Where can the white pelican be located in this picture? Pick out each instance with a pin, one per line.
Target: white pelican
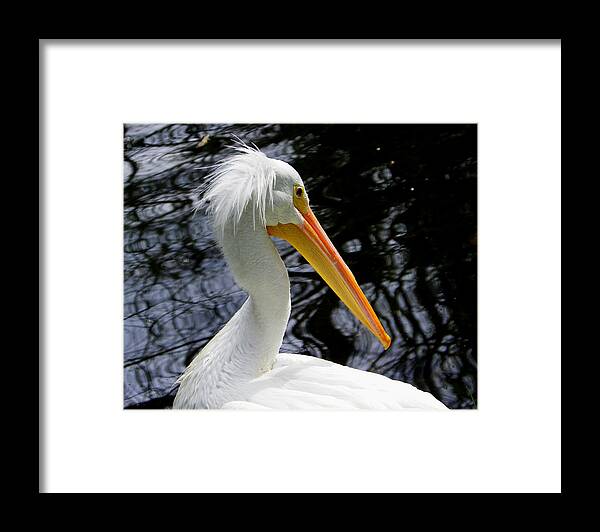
(251, 198)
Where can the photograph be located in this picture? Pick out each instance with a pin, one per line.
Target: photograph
(285, 266)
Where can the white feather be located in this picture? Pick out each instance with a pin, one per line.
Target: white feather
(309, 383)
(246, 178)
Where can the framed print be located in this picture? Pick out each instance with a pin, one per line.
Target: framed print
(325, 266)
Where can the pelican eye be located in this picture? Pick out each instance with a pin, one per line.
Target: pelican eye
(300, 199)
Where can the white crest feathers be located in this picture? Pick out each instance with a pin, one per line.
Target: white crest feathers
(246, 177)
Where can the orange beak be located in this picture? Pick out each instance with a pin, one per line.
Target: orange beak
(314, 245)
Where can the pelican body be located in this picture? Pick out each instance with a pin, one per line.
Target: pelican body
(252, 198)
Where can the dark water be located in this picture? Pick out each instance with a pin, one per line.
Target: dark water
(398, 201)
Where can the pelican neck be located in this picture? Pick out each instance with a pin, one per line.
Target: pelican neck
(259, 270)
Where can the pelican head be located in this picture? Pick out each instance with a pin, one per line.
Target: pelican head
(275, 194)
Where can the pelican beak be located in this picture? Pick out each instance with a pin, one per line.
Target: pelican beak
(314, 245)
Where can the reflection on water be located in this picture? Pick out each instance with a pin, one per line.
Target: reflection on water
(399, 202)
